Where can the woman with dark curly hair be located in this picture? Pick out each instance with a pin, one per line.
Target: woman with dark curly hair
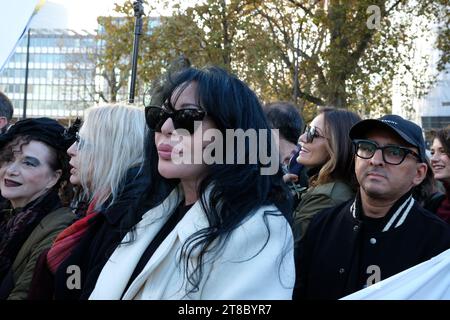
(223, 232)
(440, 163)
(33, 165)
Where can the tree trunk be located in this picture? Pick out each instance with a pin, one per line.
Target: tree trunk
(337, 95)
(226, 37)
(113, 87)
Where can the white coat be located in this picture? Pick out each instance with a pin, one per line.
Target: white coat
(251, 265)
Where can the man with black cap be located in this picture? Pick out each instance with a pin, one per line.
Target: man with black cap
(381, 232)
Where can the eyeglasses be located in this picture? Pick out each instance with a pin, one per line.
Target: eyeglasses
(81, 142)
(182, 119)
(311, 133)
(395, 155)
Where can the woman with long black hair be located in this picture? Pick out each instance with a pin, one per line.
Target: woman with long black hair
(224, 231)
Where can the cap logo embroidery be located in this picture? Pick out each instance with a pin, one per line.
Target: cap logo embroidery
(390, 121)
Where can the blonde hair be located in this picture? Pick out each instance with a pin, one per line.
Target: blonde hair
(114, 142)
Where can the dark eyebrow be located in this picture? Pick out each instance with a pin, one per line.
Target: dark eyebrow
(394, 145)
(190, 106)
(390, 144)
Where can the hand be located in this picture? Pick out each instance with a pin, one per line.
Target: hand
(290, 177)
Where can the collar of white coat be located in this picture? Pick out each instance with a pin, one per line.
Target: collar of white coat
(194, 220)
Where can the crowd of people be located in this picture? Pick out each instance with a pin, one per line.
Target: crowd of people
(105, 209)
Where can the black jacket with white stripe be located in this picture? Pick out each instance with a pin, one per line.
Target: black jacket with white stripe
(343, 250)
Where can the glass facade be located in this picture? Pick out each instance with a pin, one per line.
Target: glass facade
(61, 74)
(431, 123)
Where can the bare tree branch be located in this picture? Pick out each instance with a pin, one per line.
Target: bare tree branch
(301, 6)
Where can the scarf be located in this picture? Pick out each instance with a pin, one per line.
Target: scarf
(16, 225)
(444, 209)
(67, 240)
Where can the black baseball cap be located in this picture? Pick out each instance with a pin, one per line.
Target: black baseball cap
(407, 130)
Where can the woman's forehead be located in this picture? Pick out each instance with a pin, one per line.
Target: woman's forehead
(186, 92)
(318, 121)
(387, 137)
(31, 148)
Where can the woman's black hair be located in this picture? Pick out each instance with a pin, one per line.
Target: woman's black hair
(285, 117)
(424, 191)
(235, 191)
(153, 187)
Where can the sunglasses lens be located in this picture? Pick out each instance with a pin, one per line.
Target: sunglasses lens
(155, 117)
(182, 119)
(310, 133)
(185, 119)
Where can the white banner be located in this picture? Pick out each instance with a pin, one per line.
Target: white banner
(15, 16)
(429, 280)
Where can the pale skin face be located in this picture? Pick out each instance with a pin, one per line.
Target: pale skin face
(74, 152)
(314, 154)
(440, 162)
(382, 184)
(27, 175)
(74, 163)
(190, 175)
(3, 122)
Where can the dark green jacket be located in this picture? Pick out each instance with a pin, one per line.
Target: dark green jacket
(39, 240)
(315, 200)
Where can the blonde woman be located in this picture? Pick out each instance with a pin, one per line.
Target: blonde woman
(107, 162)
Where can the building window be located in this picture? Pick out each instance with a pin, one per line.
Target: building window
(431, 123)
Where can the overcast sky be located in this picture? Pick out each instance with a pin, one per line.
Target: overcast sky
(82, 14)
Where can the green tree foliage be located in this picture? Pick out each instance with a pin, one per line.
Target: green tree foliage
(311, 52)
(116, 36)
(443, 41)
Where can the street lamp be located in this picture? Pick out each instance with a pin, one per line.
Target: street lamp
(138, 13)
(27, 70)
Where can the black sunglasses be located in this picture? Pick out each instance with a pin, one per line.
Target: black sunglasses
(182, 119)
(395, 155)
(311, 133)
